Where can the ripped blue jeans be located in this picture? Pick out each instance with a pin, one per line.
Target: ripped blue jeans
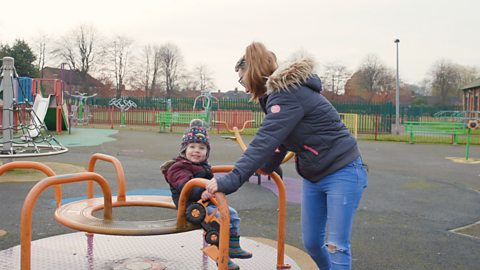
(331, 203)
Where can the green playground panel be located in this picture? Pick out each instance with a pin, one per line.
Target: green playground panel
(435, 128)
(50, 119)
(167, 119)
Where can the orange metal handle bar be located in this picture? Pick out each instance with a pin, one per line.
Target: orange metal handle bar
(222, 205)
(121, 193)
(282, 212)
(236, 132)
(287, 157)
(245, 124)
(36, 166)
(223, 123)
(34, 193)
(243, 146)
(241, 143)
(231, 130)
(239, 139)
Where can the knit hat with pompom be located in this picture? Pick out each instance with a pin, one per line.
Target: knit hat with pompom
(196, 133)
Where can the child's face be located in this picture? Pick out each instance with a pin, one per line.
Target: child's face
(196, 152)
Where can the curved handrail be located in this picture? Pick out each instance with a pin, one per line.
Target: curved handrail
(219, 200)
(121, 193)
(238, 138)
(288, 156)
(36, 166)
(34, 193)
(231, 130)
(282, 211)
(222, 204)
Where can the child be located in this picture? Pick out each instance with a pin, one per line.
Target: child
(192, 163)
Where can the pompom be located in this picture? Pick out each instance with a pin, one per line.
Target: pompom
(197, 123)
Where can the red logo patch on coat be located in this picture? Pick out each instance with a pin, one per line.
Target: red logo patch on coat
(275, 109)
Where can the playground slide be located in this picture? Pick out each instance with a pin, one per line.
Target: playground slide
(51, 116)
(40, 107)
(44, 111)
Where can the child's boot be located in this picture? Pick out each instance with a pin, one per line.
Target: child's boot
(235, 251)
(232, 265)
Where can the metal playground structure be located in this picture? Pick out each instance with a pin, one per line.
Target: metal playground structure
(24, 132)
(79, 109)
(80, 215)
(124, 105)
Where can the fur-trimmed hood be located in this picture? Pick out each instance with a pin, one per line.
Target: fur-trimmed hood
(298, 70)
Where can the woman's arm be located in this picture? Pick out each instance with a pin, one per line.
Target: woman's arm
(284, 112)
(275, 160)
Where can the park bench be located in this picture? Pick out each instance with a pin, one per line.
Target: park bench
(168, 119)
(435, 128)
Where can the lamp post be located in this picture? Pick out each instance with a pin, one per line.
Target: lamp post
(397, 96)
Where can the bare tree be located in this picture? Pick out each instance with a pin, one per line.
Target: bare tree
(425, 87)
(147, 72)
(374, 78)
(170, 62)
(41, 48)
(155, 87)
(119, 51)
(147, 58)
(446, 80)
(187, 82)
(79, 49)
(202, 76)
(468, 74)
(334, 78)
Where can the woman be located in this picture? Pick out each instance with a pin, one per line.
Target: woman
(301, 120)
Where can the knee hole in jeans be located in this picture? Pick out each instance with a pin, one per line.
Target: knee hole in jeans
(332, 248)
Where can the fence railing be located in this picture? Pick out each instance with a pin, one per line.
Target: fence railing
(177, 121)
(371, 126)
(452, 129)
(361, 108)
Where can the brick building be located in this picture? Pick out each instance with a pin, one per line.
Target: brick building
(471, 94)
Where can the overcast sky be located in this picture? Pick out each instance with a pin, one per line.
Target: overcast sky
(216, 32)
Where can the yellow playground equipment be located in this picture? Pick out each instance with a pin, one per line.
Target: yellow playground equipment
(79, 215)
(351, 122)
(238, 139)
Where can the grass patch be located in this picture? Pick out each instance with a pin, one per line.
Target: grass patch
(447, 139)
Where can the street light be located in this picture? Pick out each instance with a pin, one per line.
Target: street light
(397, 96)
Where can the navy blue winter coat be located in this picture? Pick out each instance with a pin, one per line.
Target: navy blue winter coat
(298, 119)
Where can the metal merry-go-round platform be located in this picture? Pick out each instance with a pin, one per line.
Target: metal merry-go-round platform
(170, 251)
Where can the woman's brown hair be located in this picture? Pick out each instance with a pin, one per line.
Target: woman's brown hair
(260, 64)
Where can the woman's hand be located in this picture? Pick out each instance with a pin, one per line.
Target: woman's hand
(206, 195)
(212, 186)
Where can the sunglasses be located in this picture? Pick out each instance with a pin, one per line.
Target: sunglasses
(240, 81)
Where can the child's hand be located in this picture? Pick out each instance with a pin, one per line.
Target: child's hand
(206, 195)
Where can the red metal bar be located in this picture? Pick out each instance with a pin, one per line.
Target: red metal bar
(59, 119)
(111, 111)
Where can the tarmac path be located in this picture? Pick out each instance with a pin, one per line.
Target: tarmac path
(415, 197)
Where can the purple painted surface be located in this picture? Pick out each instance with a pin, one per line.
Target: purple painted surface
(293, 187)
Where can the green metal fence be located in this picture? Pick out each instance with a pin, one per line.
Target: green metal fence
(407, 112)
(373, 118)
(452, 129)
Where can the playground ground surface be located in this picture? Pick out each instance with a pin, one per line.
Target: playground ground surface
(420, 211)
